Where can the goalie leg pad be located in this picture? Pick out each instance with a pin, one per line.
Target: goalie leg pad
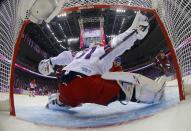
(147, 93)
(127, 88)
(146, 89)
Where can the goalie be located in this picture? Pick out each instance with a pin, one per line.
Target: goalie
(86, 78)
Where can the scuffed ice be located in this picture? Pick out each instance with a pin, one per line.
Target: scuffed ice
(91, 115)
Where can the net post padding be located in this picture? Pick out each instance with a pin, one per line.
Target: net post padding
(154, 12)
(16, 48)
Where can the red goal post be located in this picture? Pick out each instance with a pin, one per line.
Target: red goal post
(173, 17)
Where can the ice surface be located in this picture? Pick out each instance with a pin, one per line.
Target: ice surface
(176, 118)
(91, 115)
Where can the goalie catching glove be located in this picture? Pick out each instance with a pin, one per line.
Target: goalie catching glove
(140, 24)
(45, 67)
(139, 28)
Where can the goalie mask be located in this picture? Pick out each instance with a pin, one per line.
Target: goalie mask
(45, 67)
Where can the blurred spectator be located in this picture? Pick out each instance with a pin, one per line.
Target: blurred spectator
(32, 88)
(163, 62)
(43, 84)
(116, 65)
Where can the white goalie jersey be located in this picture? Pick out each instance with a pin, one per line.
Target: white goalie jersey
(90, 61)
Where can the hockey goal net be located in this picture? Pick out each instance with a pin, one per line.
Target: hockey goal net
(9, 27)
(174, 17)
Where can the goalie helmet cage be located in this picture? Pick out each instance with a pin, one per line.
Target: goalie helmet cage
(173, 17)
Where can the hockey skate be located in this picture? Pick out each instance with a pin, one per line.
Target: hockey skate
(55, 104)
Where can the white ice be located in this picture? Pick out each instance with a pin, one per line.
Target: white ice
(175, 118)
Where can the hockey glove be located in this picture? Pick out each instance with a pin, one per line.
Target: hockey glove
(141, 25)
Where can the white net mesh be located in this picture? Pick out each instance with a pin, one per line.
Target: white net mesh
(175, 15)
(9, 27)
(76, 3)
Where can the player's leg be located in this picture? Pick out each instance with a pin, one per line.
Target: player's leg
(91, 89)
(106, 62)
(30, 92)
(103, 91)
(33, 93)
(137, 87)
(147, 90)
(120, 43)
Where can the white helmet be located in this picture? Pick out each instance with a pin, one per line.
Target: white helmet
(45, 67)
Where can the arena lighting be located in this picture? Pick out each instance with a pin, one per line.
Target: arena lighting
(110, 36)
(62, 15)
(120, 11)
(59, 41)
(122, 23)
(73, 39)
(62, 29)
(62, 46)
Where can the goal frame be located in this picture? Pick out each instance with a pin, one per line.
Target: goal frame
(99, 6)
(15, 52)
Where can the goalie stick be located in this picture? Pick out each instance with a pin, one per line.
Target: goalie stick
(108, 50)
